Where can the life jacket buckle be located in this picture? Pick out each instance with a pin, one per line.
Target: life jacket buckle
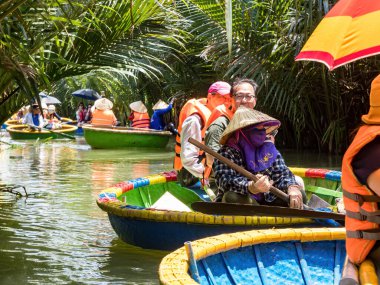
(362, 217)
(359, 199)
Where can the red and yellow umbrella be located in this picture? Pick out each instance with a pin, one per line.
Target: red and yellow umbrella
(350, 31)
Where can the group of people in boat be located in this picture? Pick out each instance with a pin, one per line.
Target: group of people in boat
(34, 118)
(139, 117)
(83, 114)
(228, 123)
(101, 114)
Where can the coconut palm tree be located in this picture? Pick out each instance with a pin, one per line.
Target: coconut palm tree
(317, 107)
(43, 42)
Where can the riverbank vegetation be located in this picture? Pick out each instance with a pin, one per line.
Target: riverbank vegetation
(151, 49)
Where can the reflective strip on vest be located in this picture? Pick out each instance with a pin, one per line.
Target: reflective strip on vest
(140, 120)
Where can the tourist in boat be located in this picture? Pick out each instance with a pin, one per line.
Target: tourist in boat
(53, 119)
(103, 114)
(243, 94)
(245, 143)
(361, 184)
(34, 117)
(22, 113)
(80, 114)
(139, 116)
(88, 116)
(189, 159)
(44, 110)
(160, 109)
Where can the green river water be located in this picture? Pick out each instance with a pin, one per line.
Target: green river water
(59, 235)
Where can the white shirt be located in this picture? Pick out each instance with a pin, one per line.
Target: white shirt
(191, 128)
(28, 120)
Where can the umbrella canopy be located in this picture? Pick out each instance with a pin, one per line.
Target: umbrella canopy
(49, 100)
(349, 31)
(87, 94)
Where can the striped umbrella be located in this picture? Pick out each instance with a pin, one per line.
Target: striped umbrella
(350, 31)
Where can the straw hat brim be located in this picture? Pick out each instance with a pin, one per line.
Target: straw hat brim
(245, 117)
(160, 105)
(138, 107)
(103, 104)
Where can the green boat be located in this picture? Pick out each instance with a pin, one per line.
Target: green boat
(124, 137)
(23, 132)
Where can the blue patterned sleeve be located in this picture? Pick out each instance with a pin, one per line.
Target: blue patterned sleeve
(226, 178)
(281, 174)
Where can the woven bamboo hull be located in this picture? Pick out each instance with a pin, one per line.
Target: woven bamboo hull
(280, 256)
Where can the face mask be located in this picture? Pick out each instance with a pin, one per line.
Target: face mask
(254, 136)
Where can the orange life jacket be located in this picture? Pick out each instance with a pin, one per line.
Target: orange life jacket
(193, 106)
(220, 110)
(362, 215)
(103, 117)
(140, 120)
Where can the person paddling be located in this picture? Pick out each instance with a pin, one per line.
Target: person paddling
(245, 143)
(160, 109)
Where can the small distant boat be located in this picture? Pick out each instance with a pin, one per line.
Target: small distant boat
(19, 122)
(12, 122)
(155, 212)
(23, 132)
(272, 256)
(124, 137)
(66, 120)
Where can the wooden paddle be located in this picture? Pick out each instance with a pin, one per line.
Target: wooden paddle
(232, 209)
(58, 133)
(283, 196)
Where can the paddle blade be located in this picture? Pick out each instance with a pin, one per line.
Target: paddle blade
(213, 208)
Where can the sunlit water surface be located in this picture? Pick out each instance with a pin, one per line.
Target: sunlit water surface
(59, 235)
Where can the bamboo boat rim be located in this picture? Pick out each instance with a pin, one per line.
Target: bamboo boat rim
(174, 267)
(20, 129)
(108, 201)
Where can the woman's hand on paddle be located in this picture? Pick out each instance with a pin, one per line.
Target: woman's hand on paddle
(295, 197)
(262, 185)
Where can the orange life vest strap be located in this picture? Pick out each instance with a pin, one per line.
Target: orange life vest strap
(373, 234)
(361, 198)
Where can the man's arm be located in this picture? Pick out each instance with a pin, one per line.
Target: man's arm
(214, 133)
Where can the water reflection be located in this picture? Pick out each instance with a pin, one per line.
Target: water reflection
(60, 236)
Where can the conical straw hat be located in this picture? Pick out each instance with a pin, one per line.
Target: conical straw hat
(103, 104)
(245, 117)
(138, 107)
(160, 105)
